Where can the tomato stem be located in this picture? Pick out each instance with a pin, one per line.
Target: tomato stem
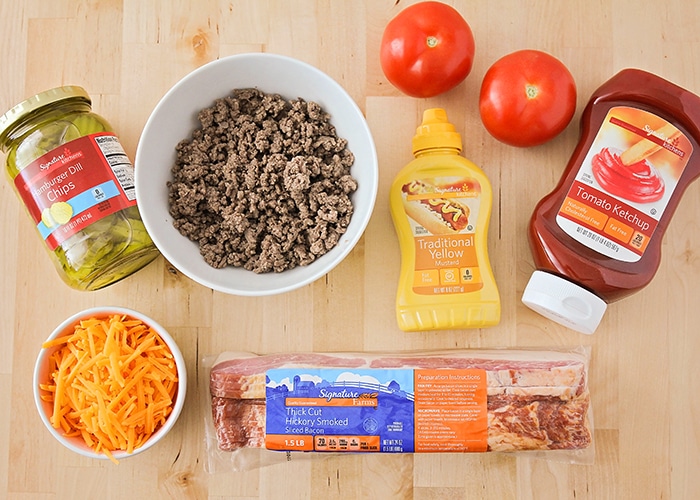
(431, 41)
(531, 91)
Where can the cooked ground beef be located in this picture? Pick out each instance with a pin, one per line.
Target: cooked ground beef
(264, 184)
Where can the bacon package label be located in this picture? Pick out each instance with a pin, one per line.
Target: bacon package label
(376, 410)
(625, 183)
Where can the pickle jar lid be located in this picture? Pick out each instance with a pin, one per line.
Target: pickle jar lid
(38, 101)
(564, 302)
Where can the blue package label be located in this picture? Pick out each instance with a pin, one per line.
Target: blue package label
(363, 410)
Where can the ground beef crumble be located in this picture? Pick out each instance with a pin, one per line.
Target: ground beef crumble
(264, 184)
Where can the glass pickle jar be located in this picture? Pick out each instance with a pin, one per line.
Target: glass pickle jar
(77, 184)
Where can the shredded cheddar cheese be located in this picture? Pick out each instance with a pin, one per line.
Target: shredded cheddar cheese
(112, 382)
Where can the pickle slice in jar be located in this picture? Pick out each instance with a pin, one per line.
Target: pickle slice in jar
(42, 141)
(121, 232)
(84, 124)
(84, 256)
(88, 248)
(53, 135)
(72, 252)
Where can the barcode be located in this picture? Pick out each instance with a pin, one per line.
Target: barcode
(119, 162)
(598, 239)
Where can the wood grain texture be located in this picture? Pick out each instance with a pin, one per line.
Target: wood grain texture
(128, 53)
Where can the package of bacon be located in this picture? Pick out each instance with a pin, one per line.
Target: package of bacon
(472, 401)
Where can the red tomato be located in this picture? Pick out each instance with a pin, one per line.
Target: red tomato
(427, 49)
(527, 98)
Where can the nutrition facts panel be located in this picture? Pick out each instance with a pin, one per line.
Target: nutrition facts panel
(119, 162)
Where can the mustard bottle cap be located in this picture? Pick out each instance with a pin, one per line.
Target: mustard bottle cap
(436, 132)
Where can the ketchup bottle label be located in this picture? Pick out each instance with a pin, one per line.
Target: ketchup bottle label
(75, 185)
(624, 183)
(443, 213)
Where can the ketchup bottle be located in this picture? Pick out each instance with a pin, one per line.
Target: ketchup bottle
(597, 237)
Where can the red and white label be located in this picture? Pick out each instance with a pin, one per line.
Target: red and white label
(75, 185)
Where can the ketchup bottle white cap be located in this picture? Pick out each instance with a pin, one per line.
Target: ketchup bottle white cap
(564, 302)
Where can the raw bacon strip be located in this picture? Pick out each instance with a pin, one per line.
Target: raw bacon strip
(537, 424)
(239, 423)
(242, 375)
(565, 378)
(515, 423)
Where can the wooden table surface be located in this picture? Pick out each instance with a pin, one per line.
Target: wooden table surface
(127, 53)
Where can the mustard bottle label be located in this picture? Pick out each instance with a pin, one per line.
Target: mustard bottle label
(442, 213)
(625, 183)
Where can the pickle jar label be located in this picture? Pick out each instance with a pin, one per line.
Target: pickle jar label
(75, 185)
(442, 213)
(624, 183)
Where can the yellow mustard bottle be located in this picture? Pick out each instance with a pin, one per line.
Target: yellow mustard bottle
(441, 207)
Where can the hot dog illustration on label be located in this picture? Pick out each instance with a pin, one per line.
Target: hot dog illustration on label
(435, 209)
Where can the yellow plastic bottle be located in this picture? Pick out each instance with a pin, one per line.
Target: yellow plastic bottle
(441, 206)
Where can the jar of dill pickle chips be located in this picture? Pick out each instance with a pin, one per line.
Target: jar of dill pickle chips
(77, 184)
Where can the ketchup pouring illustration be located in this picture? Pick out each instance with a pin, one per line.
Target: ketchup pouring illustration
(596, 238)
(628, 174)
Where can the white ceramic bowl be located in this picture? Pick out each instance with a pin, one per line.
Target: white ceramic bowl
(175, 117)
(41, 376)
